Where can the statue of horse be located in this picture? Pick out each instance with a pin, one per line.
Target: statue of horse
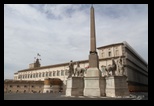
(79, 72)
(111, 68)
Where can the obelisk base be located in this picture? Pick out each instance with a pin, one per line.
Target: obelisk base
(74, 86)
(94, 85)
(116, 86)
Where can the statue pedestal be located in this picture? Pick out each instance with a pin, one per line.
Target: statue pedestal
(94, 85)
(74, 86)
(116, 86)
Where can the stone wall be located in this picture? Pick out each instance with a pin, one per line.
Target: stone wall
(13, 86)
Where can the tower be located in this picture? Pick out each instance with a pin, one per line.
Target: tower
(36, 62)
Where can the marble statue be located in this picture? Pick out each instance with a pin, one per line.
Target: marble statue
(120, 67)
(79, 72)
(103, 70)
(71, 69)
(111, 68)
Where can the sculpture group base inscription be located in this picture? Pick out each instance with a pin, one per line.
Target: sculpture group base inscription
(74, 86)
(94, 86)
(116, 86)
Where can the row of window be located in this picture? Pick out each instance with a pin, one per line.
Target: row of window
(25, 86)
(24, 91)
(110, 53)
(43, 74)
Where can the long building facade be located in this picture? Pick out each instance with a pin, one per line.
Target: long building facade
(33, 86)
(135, 68)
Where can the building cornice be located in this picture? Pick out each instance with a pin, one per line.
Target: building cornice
(110, 45)
(125, 44)
(134, 52)
(128, 47)
(50, 66)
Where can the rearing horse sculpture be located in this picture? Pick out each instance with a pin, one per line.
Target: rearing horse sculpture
(111, 68)
(79, 72)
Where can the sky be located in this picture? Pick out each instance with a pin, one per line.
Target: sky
(61, 32)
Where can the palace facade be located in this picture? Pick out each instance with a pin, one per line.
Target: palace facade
(135, 67)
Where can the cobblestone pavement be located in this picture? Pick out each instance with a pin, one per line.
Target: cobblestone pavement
(60, 96)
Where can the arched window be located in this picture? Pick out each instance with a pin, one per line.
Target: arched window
(54, 73)
(46, 74)
(62, 72)
(66, 71)
(19, 77)
(58, 73)
(50, 73)
(39, 74)
(109, 53)
(43, 74)
(30, 75)
(25, 75)
(103, 54)
(36, 75)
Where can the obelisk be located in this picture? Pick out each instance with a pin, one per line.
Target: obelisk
(93, 57)
(93, 71)
(92, 80)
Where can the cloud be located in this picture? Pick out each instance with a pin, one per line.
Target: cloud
(61, 32)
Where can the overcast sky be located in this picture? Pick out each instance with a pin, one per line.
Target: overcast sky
(61, 32)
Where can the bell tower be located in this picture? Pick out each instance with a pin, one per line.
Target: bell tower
(36, 62)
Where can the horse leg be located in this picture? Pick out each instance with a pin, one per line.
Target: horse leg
(82, 73)
(122, 71)
(74, 73)
(107, 73)
(112, 73)
(78, 73)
